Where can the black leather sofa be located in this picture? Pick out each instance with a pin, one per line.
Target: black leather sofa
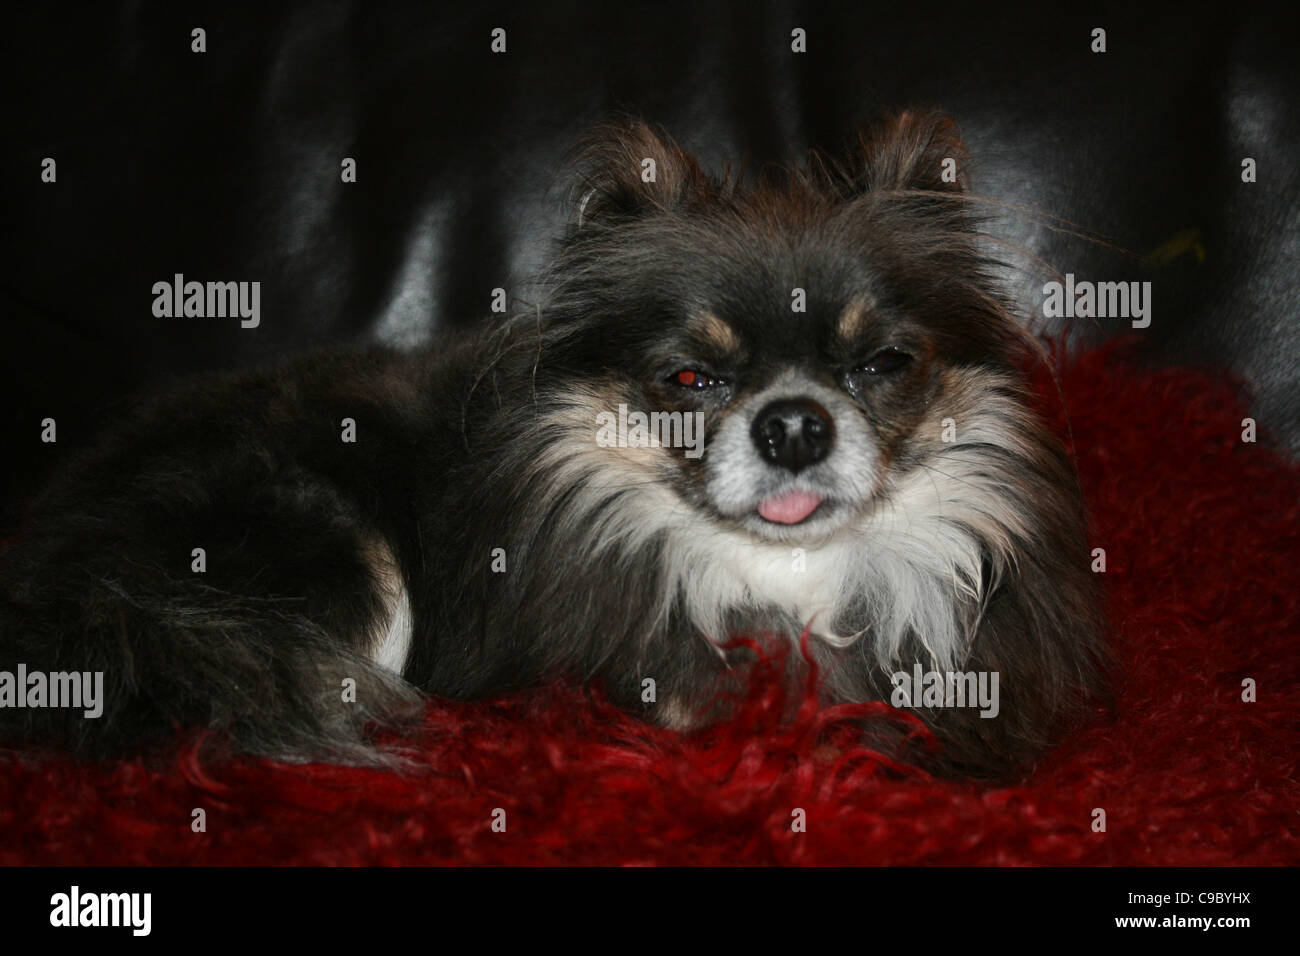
(225, 165)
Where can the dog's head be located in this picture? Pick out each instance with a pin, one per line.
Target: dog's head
(825, 321)
(870, 469)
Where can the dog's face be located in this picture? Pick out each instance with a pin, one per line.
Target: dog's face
(807, 402)
(824, 325)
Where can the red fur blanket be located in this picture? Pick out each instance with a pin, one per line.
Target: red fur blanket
(1202, 542)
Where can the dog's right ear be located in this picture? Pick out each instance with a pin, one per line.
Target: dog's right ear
(630, 170)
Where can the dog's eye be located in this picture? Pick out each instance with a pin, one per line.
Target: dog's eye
(886, 361)
(692, 378)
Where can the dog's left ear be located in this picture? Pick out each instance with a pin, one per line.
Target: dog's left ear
(913, 150)
(630, 170)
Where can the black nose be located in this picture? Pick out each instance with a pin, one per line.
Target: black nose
(793, 433)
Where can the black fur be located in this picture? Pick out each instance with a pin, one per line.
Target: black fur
(454, 459)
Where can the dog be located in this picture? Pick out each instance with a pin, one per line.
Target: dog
(790, 406)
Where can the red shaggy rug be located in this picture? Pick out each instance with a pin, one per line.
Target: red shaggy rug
(1202, 545)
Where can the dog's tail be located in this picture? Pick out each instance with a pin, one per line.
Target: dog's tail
(104, 656)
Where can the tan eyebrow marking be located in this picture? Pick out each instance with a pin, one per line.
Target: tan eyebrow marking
(716, 332)
(853, 320)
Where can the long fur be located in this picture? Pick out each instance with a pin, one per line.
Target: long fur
(476, 539)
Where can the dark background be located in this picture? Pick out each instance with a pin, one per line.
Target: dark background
(224, 165)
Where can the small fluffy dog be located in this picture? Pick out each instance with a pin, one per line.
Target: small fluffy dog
(867, 468)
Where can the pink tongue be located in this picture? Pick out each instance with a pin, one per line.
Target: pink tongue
(789, 508)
